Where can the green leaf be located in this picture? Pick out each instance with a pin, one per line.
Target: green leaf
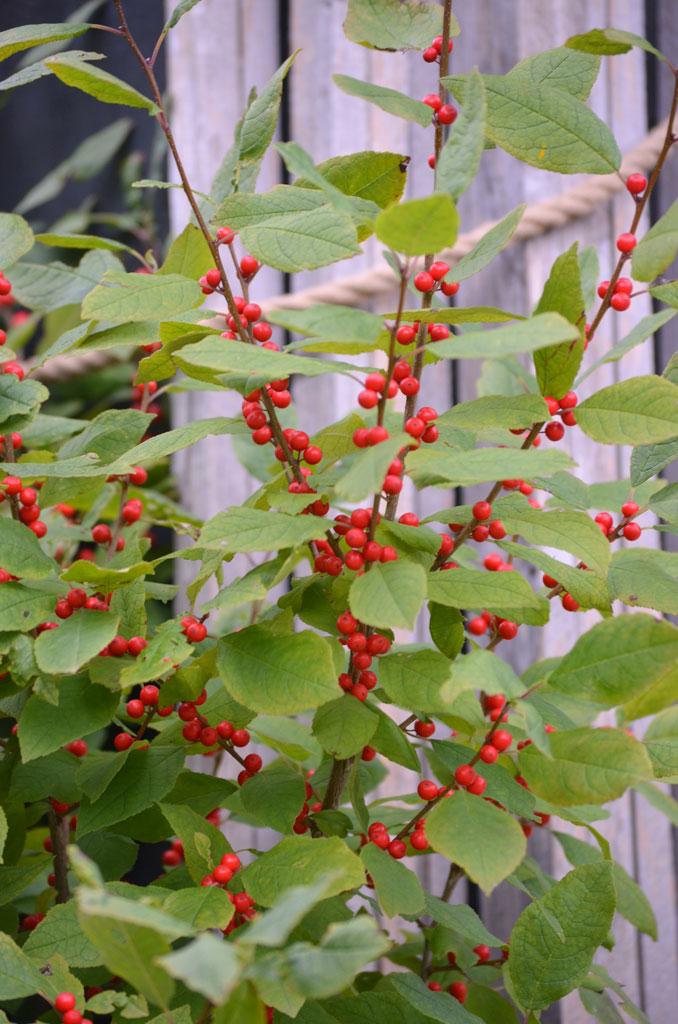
(390, 595)
(648, 460)
(415, 679)
(201, 908)
(503, 593)
(75, 641)
(123, 298)
(632, 903)
(610, 41)
(215, 355)
(98, 83)
(159, 447)
(19, 397)
(146, 777)
(462, 919)
(657, 249)
(556, 367)
(460, 156)
(275, 674)
(258, 127)
(661, 741)
(588, 766)
(574, 72)
(566, 531)
(375, 176)
(545, 127)
(344, 726)
(510, 411)
(331, 328)
(398, 889)
(206, 965)
(489, 246)
(129, 949)
(274, 926)
(645, 578)
(183, 7)
(60, 933)
(204, 845)
(189, 254)
(21, 552)
(367, 469)
(442, 467)
(418, 226)
(73, 240)
(14, 880)
(554, 940)
(642, 410)
(291, 228)
(251, 529)
(169, 647)
(82, 571)
(23, 37)
(485, 841)
(667, 293)
(643, 330)
(274, 796)
(588, 588)
(390, 100)
(391, 25)
(419, 1000)
(23, 608)
(16, 238)
(81, 709)
(392, 743)
(539, 331)
(46, 288)
(4, 830)
(19, 975)
(278, 870)
(658, 798)
(321, 971)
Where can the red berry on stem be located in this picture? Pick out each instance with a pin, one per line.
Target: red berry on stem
(636, 183)
(423, 281)
(626, 242)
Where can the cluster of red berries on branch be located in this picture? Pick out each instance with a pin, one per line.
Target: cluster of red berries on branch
(622, 290)
(363, 645)
(432, 280)
(378, 834)
(64, 1004)
(301, 823)
(563, 407)
(24, 500)
(432, 53)
(627, 526)
(224, 735)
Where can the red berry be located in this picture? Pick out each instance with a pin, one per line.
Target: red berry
(240, 738)
(64, 1001)
(603, 289)
(449, 288)
(368, 399)
(135, 645)
(620, 301)
(625, 285)
(135, 709)
(397, 849)
(636, 183)
(459, 990)
(464, 775)
(478, 786)
(605, 521)
(101, 534)
(418, 839)
(501, 739)
(629, 509)
(488, 753)
(626, 242)
(149, 695)
(430, 54)
(482, 510)
(497, 530)
(554, 431)
(405, 335)
(196, 632)
(493, 562)
(423, 281)
(507, 630)
(632, 531)
(312, 454)
(424, 729)
(249, 266)
(483, 953)
(477, 626)
(76, 598)
(427, 790)
(438, 270)
(447, 114)
(568, 401)
(409, 386)
(432, 100)
(118, 647)
(569, 603)
(62, 609)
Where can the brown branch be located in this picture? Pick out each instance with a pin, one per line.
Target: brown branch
(58, 831)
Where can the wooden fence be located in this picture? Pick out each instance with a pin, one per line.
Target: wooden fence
(215, 55)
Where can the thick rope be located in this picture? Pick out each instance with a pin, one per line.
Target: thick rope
(355, 289)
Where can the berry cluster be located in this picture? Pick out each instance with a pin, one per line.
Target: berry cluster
(24, 500)
(621, 293)
(363, 646)
(432, 53)
(562, 407)
(627, 527)
(301, 823)
(65, 1005)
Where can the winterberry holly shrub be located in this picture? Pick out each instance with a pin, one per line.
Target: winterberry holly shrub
(104, 708)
